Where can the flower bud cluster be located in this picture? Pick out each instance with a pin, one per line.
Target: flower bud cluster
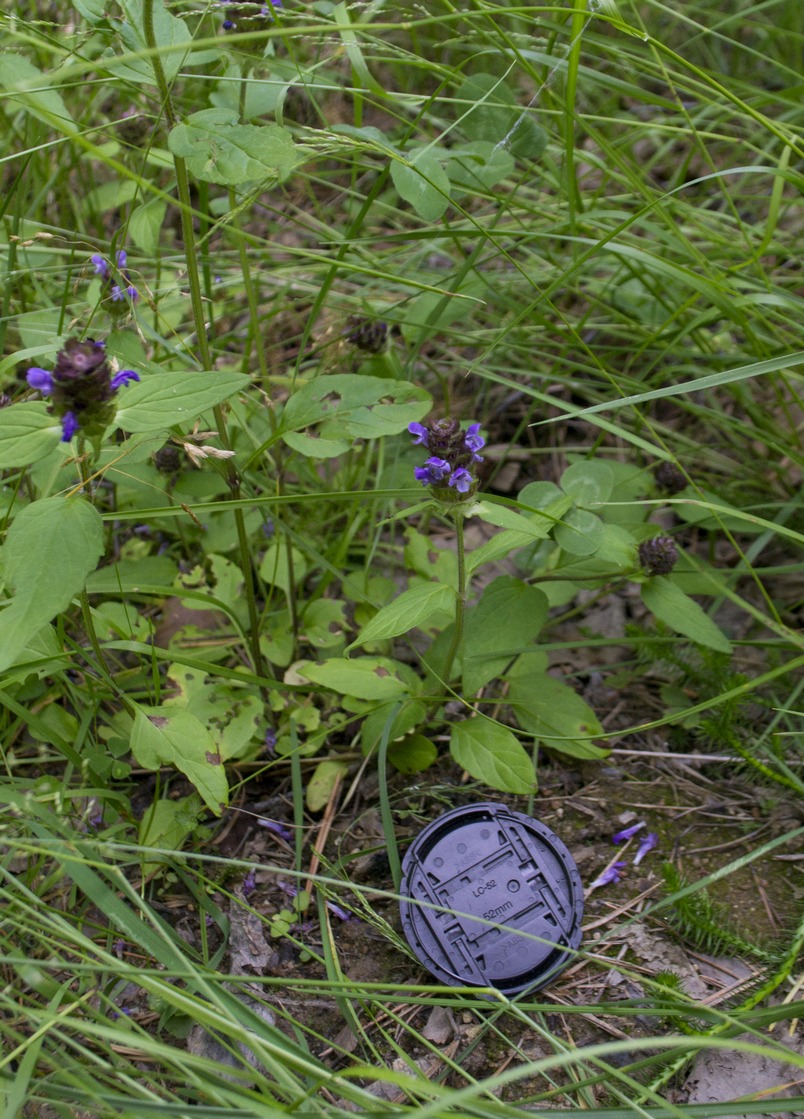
(81, 387)
(367, 334)
(450, 470)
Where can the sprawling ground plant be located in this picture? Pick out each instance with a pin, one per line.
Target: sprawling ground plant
(354, 357)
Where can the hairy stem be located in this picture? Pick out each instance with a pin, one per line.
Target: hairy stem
(196, 300)
(460, 599)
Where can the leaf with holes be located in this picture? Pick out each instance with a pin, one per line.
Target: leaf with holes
(174, 736)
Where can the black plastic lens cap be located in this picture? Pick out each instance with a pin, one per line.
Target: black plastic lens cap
(502, 898)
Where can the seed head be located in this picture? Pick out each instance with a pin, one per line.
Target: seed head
(658, 556)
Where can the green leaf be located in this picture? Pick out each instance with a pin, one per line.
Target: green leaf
(422, 182)
(363, 677)
(219, 149)
(532, 528)
(232, 712)
(27, 434)
(580, 533)
(495, 113)
(313, 447)
(274, 568)
(30, 89)
(174, 736)
(161, 400)
(407, 611)
(551, 711)
(492, 754)
(145, 224)
(412, 754)
(682, 614)
(588, 482)
(324, 622)
(479, 164)
(323, 782)
(50, 549)
(510, 615)
(171, 33)
(167, 823)
(354, 405)
(129, 576)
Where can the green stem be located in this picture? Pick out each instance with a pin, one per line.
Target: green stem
(460, 599)
(196, 300)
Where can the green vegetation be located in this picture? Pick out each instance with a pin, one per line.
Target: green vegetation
(356, 360)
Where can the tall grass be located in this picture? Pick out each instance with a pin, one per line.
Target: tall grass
(616, 273)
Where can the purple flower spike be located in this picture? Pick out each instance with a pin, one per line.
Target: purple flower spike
(69, 426)
(461, 480)
(40, 379)
(101, 266)
(646, 844)
(611, 874)
(122, 257)
(123, 378)
(626, 833)
(420, 432)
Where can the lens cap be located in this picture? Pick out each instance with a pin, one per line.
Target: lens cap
(502, 898)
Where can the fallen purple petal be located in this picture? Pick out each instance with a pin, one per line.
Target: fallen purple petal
(646, 844)
(340, 913)
(611, 875)
(249, 884)
(276, 828)
(626, 833)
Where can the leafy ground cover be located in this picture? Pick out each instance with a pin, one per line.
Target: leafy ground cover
(401, 408)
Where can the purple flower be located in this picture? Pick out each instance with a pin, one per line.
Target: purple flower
(40, 379)
(420, 432)
(132, 293)
(626, 833)
(118, 295)
(610, 875)
(228, 24)
(276, 828)
(286, 888)
(647, 843)
(101, 266)
(124, 377)
(69, 426)
(461, 479)
(249, 884)
(434, 471)
(270, 742)
(122, 257)
(474, 441)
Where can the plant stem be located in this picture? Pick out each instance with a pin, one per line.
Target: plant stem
(196, 300)
(460, 599)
